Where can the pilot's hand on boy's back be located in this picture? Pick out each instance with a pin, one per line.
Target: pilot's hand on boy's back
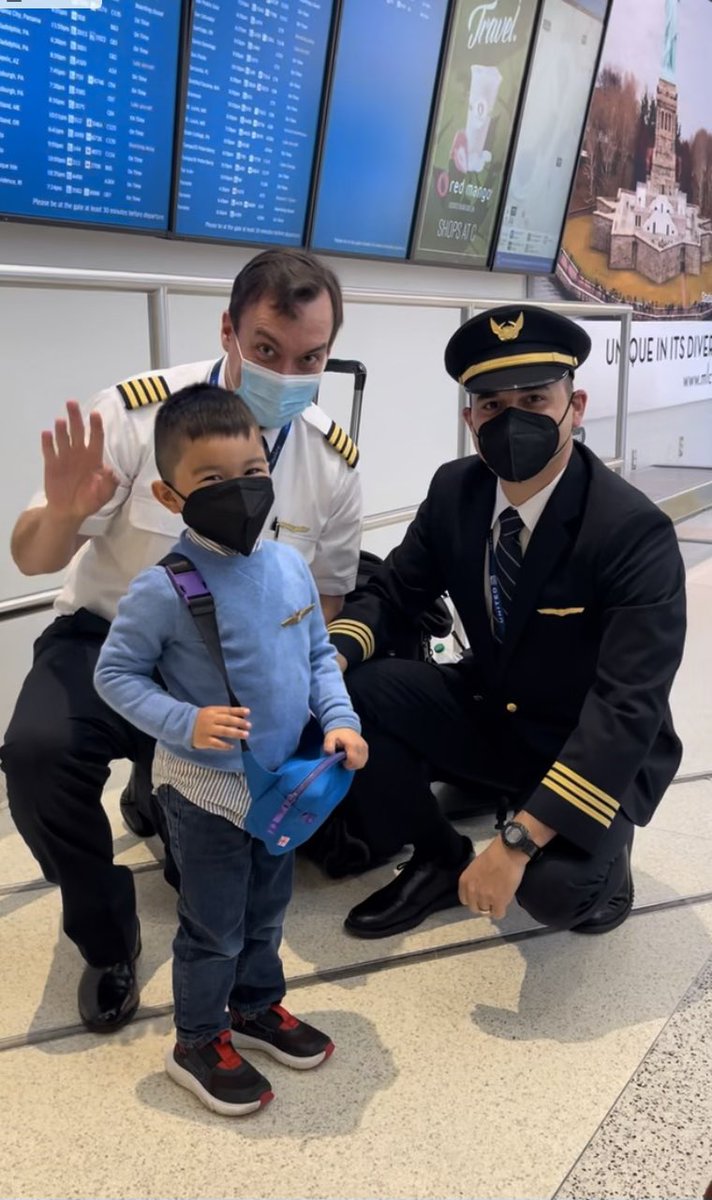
(350, 741)
(216, 728)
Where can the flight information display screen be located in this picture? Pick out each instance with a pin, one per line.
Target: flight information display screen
(255, 81)
(545, 159)
(381, 94)
(87, 110)
(472, 132)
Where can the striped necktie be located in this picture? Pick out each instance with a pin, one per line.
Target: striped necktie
(506, 566)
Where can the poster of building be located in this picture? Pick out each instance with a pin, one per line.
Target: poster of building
(639, 227)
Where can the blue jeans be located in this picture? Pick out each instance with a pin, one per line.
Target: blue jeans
(233, 897)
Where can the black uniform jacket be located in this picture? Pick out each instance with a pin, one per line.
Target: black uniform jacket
(594, 635)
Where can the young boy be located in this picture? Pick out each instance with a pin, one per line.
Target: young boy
(227, 974)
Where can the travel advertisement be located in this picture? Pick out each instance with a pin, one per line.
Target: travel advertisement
(639, 227)
(472, 131)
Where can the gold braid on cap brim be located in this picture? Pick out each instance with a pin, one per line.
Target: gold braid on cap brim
(518, 360)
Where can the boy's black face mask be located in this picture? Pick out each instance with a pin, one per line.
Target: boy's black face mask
(231, 513)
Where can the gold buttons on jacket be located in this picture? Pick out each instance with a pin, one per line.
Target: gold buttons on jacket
(511, 707)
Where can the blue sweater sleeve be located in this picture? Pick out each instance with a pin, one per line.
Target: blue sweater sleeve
(144, 624)
(328, 698)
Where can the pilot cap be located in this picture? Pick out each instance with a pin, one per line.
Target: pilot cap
(515, 346)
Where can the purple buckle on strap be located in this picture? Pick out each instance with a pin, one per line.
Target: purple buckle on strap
(189, 585)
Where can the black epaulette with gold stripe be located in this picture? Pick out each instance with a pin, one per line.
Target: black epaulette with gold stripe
(147, 389)
(346, 446)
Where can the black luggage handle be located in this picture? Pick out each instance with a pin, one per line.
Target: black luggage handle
(351, 366)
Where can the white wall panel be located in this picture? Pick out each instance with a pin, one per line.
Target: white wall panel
(54, 345)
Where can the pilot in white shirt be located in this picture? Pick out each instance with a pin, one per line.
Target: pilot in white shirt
(98, 518)
(317, 495)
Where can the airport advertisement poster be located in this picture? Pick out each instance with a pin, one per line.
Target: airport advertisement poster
(670, 364)
(472, 130)
(639, 227)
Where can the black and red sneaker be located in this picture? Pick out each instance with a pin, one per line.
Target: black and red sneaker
(218, 1076)
(285, 1037)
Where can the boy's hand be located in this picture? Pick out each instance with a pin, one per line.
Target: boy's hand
(216, 728)
(350, 741)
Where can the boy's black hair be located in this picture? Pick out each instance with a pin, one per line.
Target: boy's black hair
(289, 278)
(197, 411)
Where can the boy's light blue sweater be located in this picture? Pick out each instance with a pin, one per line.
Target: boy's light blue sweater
(279, 671)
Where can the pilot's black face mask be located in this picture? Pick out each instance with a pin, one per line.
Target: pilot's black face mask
(232, 512)
(516, 445)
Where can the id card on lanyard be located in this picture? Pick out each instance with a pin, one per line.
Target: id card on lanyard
(274, 453)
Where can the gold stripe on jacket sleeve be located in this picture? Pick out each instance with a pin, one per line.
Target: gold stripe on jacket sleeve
(553, 786)
(587, 787)
(356, 630)
(355, 636)
(575, 790)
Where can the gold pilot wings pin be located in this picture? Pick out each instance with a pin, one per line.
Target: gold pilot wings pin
(145, 390)
(508, 331)
(559, 612)
(298, 616)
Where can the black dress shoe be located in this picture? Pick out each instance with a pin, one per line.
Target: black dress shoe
(108, 997)
(420, 889)
(615, 911)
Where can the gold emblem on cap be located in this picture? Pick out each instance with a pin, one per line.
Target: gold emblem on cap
(508, 331)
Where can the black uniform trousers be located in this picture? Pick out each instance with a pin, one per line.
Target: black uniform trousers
(58, 747)
(422, 724)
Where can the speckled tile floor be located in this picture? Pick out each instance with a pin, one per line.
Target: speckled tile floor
(473, 1060)
(670, 1098)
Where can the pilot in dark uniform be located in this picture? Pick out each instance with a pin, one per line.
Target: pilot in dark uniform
(570, 587)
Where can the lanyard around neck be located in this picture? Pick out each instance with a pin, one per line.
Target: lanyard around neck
(495, 591)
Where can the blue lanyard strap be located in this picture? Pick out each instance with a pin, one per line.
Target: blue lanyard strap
(274, 453)
(495, 591)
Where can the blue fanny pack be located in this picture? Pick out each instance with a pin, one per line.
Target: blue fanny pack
(289, 804)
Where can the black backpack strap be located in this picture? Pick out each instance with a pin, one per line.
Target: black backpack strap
(193, 590)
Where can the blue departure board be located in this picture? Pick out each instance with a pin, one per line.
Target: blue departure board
(377, 124)
(255, 80)
(87, 110)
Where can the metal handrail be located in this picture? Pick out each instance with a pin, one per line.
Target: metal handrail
(19, 275)
(158, 287)
(25, 606)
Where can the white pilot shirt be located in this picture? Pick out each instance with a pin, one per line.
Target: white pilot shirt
(317, 508)
(530, 512)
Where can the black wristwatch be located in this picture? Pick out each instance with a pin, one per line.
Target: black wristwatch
(516, 837)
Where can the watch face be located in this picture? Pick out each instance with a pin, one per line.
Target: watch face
(515, 835)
